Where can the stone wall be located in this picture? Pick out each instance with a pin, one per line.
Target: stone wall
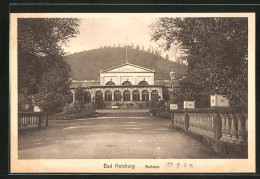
(225, 132)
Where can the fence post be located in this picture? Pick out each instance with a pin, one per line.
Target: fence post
(47, 117)
(172, 118)
(217, 125)
(228, 129)
(240, 129)
(233, 129)
(40, 120)
(186, 124)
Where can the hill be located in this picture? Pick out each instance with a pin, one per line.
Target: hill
(85, 65)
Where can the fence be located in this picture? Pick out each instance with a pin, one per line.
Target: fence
(31, 120)
(226, 131)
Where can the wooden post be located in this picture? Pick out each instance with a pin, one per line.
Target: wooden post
(47, 119)
(40, 120)
(172, 118)
(186, 124)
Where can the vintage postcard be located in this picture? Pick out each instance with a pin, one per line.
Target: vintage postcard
(132, 92)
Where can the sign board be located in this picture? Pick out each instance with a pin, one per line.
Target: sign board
(173, 106)
(219, 101)
(36, 109)
(189, 104)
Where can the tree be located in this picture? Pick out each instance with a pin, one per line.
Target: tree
(132, 45)
(137, 47)
(43, 75)
(216, 52)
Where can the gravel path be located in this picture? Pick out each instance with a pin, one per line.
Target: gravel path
(114, 134)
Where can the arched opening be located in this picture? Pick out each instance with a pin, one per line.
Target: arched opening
(108, 95)
(126, 95)
(126, 83)
(110, 83)
(117, 95)
(99, 95)
(154, 94)
(143, 83)
(87, 97)
(99, 100)
(145, 95)
(136, 95)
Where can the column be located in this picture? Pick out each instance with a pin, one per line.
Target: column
(113, 96)
(217, 126)
(228, 131)
(150, 96)
(131, 95)
(240, 130)
(223, 127)
(246, 127)
(233, 128)
(74, 97)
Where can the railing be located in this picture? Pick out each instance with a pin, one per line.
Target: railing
(220, 126)
(30, 120)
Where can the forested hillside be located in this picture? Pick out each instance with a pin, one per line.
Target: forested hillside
(85, 65)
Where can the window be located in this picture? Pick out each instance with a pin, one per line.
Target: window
(87, 97)
(143, 83)
(127, 83)
(145, 95)
(99, 96)
(108, 95)
(154, 94)
(118, 95)
(126, 95)
(136, 95)
(110, 83)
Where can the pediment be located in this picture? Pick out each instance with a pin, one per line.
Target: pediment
(128, 68)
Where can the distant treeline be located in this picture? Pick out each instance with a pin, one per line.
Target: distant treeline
(86, 65)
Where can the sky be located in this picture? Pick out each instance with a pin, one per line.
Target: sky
(112, 29)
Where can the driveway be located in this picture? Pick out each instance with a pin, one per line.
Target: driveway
(114, 134)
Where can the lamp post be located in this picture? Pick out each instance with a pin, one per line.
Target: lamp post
(172, 76)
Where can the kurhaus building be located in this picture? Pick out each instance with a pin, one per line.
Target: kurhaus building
(122, 83)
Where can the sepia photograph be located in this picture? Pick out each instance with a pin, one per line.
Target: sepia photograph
(132, 93)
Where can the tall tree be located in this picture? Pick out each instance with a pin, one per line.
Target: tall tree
(216, 52)
(42, 73)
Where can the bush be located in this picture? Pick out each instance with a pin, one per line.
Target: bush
(72, 108)
(130, 105)
(164, 114)
(79, 109)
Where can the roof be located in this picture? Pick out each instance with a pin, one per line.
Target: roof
(93, 83)
(128, 64)
(85, 84)
(166, 83)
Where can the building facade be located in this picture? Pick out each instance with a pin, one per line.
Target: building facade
(122, 83)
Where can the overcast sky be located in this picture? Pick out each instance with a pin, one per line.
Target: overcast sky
(110, 29)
